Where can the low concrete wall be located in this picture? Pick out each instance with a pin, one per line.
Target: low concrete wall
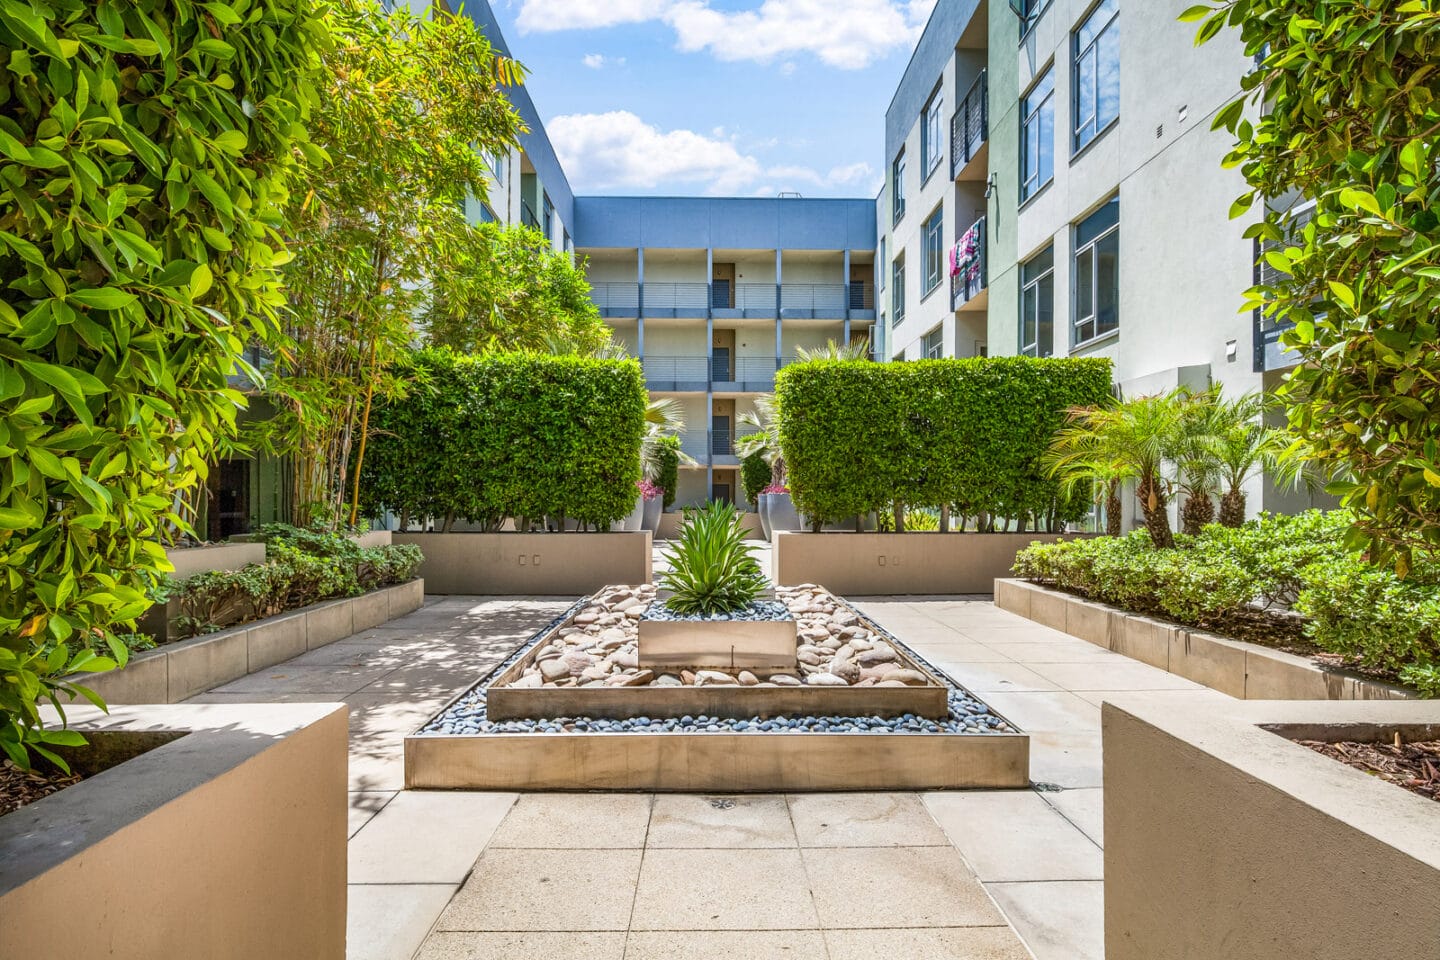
(670, 524)
(1246, 671)
(374, 538)
(228, 842)
(1226, 840)
(176, 671)
(530, 564)
(189, 561)
(869, 564)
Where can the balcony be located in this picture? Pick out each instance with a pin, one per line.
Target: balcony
(969, 283)
(741, 300)
(616, 299)
(969, 129)
(527, 216)
(1270, 353)
(675, 299)
(676, 374)
(745, 375)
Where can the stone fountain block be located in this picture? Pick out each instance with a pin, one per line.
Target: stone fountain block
(756, 645)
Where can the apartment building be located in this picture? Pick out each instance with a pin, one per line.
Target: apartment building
(714, 296)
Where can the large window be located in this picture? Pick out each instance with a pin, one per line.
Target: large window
(1097, 72)
(1097, 273)
(932, 134)
(897, 186)
(934, 234)
(1037, 305)
(1030, 11)
(1037, 136)
(549, 225)
(897, 289)
(934, 344)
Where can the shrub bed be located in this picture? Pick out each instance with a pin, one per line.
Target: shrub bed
(1285, 581)
(523, 436)
(862, 437)
(301, 567)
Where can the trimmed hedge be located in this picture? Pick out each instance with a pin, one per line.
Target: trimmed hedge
(754, 477)
(859, 437)
(669, 476)
(525, 435)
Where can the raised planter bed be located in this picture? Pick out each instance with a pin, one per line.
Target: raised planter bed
(876, 564)
(1246, 671)
(1224, 839)
(189, 561)
(739, 643)
(530, 564)
(221, 835)
(177, 671)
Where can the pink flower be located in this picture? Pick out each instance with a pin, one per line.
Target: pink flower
(648, 490)
(776, 488)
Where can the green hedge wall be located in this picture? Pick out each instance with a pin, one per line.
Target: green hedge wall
(859, 437)
(508, 435)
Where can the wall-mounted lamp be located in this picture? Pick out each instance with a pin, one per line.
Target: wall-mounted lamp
(990, 187)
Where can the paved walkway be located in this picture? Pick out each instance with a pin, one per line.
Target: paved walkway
(487, 876)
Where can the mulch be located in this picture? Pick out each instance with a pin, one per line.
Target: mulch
(1414, 766)
(19, 787)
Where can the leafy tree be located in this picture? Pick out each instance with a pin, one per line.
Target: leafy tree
(764, 441)
(1348, 99)
(407, 108)
(754, 476)
(506, 289)
(146, 151)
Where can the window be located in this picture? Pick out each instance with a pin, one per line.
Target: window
(934, 343)
(1030, 11)
(884, 241)
(897, 289)
(1037, 136)
(932, 134)
(934, 234)
(1037, 305)
(1097, 273)
(1097, 72)
(497, 165)
(566, 245)
(897, 185)
(549, 226)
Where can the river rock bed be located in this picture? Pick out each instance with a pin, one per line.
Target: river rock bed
(763, 610)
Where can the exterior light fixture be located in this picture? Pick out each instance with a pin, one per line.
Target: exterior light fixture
(990, 186)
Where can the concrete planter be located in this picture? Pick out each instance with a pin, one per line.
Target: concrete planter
(373, 538)
(189, 561)
(1246, 671)
(530, 564)
(221, 833)
(635, 518)
(654, 509)
(757, 645)
(177, 671)
(1223, 839)
(868, 564)
(783, 515)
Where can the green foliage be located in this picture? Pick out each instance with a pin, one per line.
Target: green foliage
(754, 476)
(506, 289)
(859, 437)
(1258, 577)
(508, 435)
(301, 567)
(922, 519)
(712, 569)
(146, 152)
(667, 467)
(1344, 107)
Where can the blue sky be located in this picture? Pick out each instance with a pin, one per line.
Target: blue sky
(723, 97)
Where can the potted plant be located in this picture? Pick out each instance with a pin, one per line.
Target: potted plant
(652, 502)
(783, 515)
(777, 512)
(661, 456)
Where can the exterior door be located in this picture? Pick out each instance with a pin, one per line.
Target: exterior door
(720, 435)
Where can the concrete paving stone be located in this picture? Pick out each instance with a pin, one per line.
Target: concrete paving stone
(863, 820)
(723, 890)
(390, 921)
(555, 890)
(427, 837)
(687, 821)
(1057, 920)
(328, 680)
(963, 651)
(364, 805)
(1097, 697)
(1035, 711)
(1119, 674)
(427, 681)
(1055, 651)
(875, 887)
(1085, 808)
(379, 767)
(933, 943)
(726, 945)
(523, 946)
(351, 653)
(983, 678)
(576, 820)
(1015, 835)
(1069, 760)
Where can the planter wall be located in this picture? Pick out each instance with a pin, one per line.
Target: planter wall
(226, 842)
(189, 561)
(373, 538)
(1246, 671)
(176, 671)
(530, 564)
(1226, 840)
(865, 564)
(670, 524)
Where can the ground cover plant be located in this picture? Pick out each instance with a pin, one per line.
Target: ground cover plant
(958, 436)
(1286, 581)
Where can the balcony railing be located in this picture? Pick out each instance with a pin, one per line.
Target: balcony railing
(861, 294)
(969, 126)
(972, 278)
(676, 373)
(675, 299)
(749, 374)
(527, 216)
(721, 442)
(616, 299)
(813, 299)
(695, 444)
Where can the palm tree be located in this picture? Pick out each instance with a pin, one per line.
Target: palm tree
(764, 420)
(857, 349)
(1242, 445)
(1075, 459)
(1197, 472)
(664, 417)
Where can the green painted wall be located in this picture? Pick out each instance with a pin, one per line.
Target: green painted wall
(1003, 80)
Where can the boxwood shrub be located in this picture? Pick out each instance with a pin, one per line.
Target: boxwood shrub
(523, 436)
(861, 437)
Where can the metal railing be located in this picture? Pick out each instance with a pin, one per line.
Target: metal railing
(972, 278)
(675, 373)
(614, 296)
(675, 296)
(527, 216)
(969, 126)
(696, 445)
(721, 442)
(861, 294)
(813, 299)
(755, 373)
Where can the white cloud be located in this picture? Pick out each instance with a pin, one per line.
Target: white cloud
(847, 34)
(542, 16)
(860, 172)
(605, 151)
(597, 61)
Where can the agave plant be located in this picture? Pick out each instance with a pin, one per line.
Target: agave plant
(712, 570)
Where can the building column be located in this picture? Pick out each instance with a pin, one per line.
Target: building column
(845, 292)
(779, 279)
(640, 300)
(709, 373)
